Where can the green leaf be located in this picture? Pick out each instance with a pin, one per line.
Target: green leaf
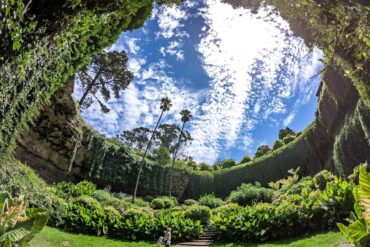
(357, 231)
(364, 193)
(344, 230)
(14, 235)
(16, 44)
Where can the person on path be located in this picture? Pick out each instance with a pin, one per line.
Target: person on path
(160, 241)
(167, 237)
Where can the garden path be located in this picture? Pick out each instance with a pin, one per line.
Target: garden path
(204, 240)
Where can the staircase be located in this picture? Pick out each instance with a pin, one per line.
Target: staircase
(204, 240)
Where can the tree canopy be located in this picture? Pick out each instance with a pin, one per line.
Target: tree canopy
(285, 132)
(161, 155)
(106, 74)
(262, 150)
(167, 135)
(137, 138)
(245, 159)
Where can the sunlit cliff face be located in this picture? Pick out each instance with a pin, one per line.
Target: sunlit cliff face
(244, 76)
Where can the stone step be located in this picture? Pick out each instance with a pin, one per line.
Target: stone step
(206, 238)
(194, 244)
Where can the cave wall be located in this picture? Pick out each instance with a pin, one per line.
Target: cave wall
(48, 143)
(337, 140)
(48, 146)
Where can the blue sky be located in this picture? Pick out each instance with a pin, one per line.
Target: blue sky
(243, 76)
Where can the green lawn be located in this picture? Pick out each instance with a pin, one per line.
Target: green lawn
(329, 239)
(51, 237)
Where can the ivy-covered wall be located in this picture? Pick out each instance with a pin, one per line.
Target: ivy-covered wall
(351, 145)
(43, 49)
(111, 163)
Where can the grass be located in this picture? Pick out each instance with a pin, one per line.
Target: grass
(328, 239)
(51, 237)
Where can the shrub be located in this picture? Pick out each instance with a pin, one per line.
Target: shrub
(86, 215)
(148, 198)
(210, 201)
(104, 196)
(136, 224)
(84, 188)
(285, 183)
(228, 207)
(309, 210)
(20, 179)
(228, 163)
(288, 139)
(285, 132)
(277, 144)
(67, 190)
(190, 202)
(261, 151)
(248, 194)
(121, 195)
(322, 178)
(113, 221)
(120, 205)
(204, 166)
(63, 189)
(196, 212)
(132, 213)
(297, 187)
(58, 212)
(139, 202)
(192, 164)
(163, 202)
(246, 159)
(183, 228)
(158, 203)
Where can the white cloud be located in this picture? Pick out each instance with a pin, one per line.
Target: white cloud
(242, 54)
(174, 49)
(169, 21)
(135, 64)
(288, 120)
(133, 47)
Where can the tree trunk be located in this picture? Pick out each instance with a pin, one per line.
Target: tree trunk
(77, 145)
(143, 159)
(89, 87)
(85, 93)
(174, 157)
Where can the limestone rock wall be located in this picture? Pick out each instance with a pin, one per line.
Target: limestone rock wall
(48, 144)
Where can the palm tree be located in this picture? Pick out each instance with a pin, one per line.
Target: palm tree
(185, 117)
(165, 106)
